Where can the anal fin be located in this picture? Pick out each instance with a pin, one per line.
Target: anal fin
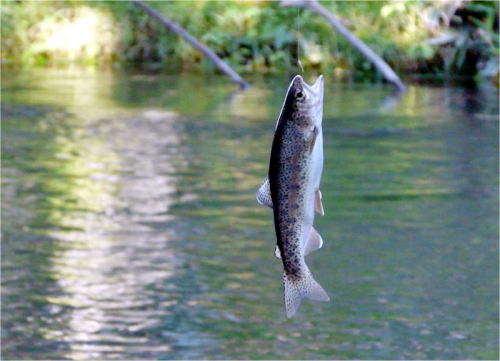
(313, 243)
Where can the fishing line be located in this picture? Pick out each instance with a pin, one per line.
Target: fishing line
(299, 64)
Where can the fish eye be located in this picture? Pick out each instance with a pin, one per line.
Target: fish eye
(299, 95)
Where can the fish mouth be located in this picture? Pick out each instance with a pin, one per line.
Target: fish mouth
(317, 88)
(318, 85)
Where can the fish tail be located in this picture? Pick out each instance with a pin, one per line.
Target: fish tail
(299, 287)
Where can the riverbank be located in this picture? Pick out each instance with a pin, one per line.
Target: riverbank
(418, 37)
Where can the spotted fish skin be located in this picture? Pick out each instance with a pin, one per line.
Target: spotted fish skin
(289, 184)
(294, 177)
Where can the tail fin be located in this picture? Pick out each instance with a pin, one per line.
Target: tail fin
(298, 288)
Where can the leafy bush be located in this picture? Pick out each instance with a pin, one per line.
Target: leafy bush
(254, 36)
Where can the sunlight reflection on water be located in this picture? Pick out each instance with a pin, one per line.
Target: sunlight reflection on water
(130, 228)
(108, 259)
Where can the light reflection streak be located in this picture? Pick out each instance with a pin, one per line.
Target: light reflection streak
(112, 253)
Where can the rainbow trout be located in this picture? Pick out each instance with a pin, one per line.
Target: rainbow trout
(292, 188)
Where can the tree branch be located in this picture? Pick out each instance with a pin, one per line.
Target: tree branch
(176, 28)
(376, 60)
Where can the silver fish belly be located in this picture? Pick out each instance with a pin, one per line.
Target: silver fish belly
(292, 189)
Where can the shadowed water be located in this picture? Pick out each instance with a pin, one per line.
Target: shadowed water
(131, 230)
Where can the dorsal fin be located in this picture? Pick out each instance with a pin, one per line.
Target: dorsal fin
(264, 194)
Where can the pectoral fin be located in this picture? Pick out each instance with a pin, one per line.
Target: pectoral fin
(312, 140)
(318, 206)
(264, 194)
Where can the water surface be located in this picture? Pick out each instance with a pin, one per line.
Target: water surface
(131, 231)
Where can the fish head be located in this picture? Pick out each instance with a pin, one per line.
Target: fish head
(305, 102)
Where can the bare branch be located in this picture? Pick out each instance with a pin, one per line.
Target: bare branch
(374, 58)
(176, 28)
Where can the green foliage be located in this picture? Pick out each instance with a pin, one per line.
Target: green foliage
(253, 36)
(39, 33)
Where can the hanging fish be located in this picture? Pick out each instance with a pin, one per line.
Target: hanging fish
(292, 188)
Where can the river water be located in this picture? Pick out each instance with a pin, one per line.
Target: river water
(130, 228)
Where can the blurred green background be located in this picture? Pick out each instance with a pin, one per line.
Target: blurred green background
(130, 228)
(424, 37)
